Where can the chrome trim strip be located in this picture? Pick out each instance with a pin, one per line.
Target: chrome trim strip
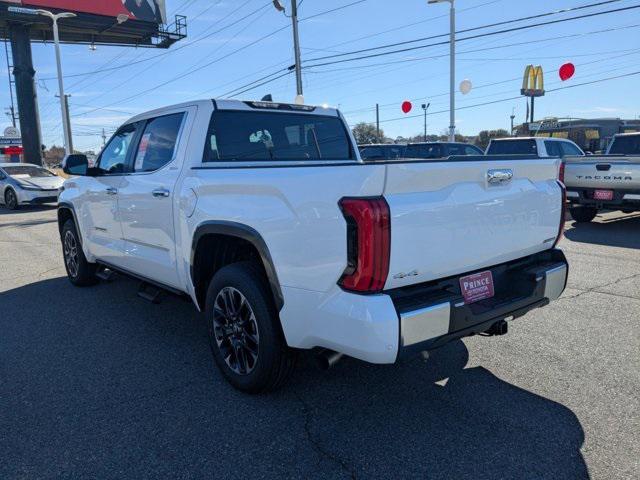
(571, 194)
(631, 196)
(424, 324)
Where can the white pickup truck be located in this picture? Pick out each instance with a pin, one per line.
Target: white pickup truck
(605, 182)
(266, 217)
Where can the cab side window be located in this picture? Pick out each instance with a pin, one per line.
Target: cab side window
(158, 143)
(113, 159)
(570, 149)
(553, 149)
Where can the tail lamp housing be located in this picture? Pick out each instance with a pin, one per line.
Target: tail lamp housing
(368, 244)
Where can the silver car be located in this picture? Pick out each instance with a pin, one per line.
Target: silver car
(27, 184)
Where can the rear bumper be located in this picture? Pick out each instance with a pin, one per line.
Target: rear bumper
(623, 199)
(443, 315)
(383, 328)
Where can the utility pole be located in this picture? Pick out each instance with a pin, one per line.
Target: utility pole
(63, 99)
(513, 116)
(452, 68)
(12, 108)
(296, 45)
(378, 123)
(104, 138)
(66, 108)
(425, 107)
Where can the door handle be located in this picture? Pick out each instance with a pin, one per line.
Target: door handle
(160, 192)
(112, 191)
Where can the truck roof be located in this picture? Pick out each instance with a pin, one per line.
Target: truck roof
(242, 105)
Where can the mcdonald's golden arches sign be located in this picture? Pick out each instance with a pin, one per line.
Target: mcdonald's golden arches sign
(533, 82)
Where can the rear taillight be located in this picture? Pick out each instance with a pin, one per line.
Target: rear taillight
(368, 244)
(563, 210)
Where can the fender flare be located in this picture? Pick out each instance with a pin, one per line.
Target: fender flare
(69, 206)
(234, 229)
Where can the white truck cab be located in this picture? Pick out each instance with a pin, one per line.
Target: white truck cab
(267, 218)
(540, 146)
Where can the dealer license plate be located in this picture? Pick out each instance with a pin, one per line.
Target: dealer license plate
(477, 287)
(603, 195)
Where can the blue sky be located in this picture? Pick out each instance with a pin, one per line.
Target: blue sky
(494, 64)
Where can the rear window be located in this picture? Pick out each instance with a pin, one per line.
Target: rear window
(382, 152)
(240, 136)
(513, 147)
(423, 151)
(626, 145)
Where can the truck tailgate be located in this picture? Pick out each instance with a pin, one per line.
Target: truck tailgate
(448, 219)
(609, 172)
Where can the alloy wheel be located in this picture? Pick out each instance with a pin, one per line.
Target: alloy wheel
(10, 199)
(236, 330)
(71, 253)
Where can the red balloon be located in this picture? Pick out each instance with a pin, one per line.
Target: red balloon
(406, 107)
(566, 71)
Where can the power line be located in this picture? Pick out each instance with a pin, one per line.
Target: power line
(473, 37)
(176, 49)
(467, 30)
(601, 80)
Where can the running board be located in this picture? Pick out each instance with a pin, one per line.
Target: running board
(151, 293)
(105, 274)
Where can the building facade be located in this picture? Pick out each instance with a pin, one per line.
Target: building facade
(592, 135)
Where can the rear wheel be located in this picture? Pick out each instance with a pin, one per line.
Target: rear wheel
(583, 214)
(11, 199)
(80, 272)
(244, 330)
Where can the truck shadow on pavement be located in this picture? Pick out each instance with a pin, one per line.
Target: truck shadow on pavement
(98, 383)
(619, 231)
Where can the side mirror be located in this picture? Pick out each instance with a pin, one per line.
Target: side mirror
(75, 164)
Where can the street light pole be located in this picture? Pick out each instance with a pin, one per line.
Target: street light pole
(452, 68)
(66, 127)
(425, 107)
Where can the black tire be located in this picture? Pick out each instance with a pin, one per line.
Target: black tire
(11, 199)
(583, 214)
(80, 272)
(243, 335)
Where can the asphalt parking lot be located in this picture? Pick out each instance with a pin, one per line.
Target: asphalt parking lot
(98, 383)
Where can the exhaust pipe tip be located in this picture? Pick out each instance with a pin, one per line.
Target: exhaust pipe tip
(326, 359)
(499, 328)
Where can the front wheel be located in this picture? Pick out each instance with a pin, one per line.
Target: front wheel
(583, 214)
(80, 272)
(11, 199)
(244, 330)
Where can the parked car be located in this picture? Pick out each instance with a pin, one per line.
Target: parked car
(605, 182)
(428, 150)
(27, 184)
(263, 214)
(381, 151)
(540, 146)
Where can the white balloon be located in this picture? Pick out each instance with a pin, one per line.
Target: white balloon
(466, 86)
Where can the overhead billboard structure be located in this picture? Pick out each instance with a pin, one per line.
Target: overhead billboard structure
(144, 10)
(139, 23)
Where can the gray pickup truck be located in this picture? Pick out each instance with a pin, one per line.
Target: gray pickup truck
(605, 182)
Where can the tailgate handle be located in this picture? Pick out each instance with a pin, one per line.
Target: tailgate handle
(499, 176)
(603, 167)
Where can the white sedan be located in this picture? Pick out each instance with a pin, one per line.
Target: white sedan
(27, 184)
